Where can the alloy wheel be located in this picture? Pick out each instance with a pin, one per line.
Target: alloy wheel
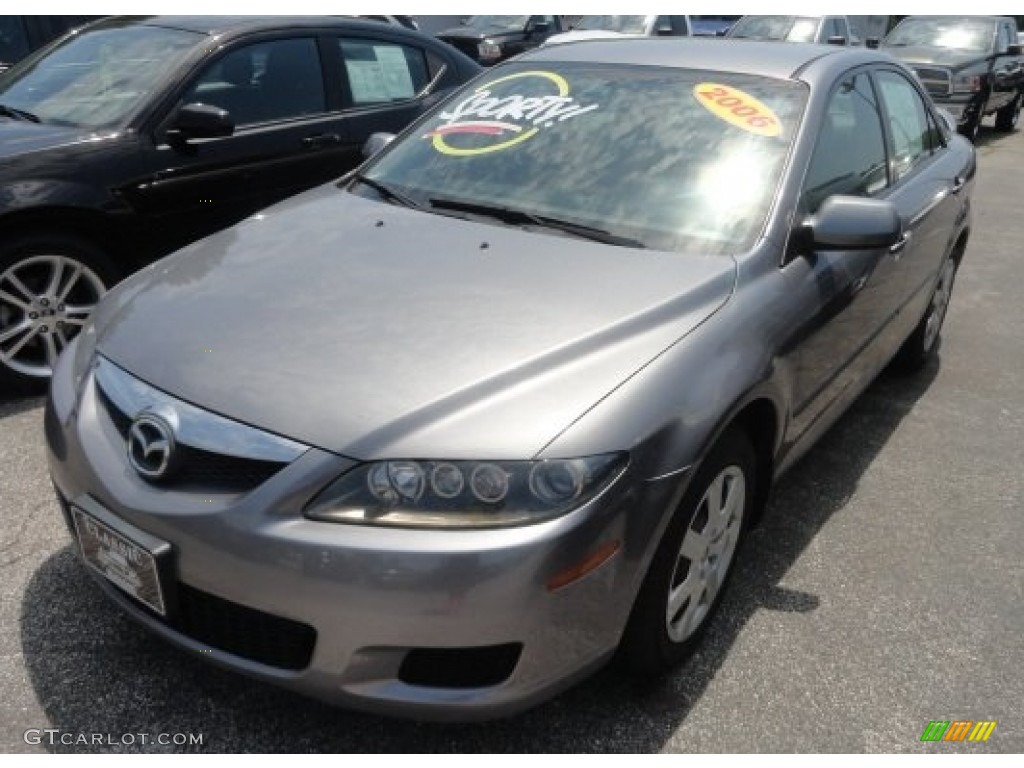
(706, 553)
(44, 302)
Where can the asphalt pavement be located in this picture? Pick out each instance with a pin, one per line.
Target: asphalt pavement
(884, 590)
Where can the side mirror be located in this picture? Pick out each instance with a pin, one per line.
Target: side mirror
(872, 42)
(539, 29)
(846, 223)
(376, 143)
(837, 40)
(201, 121)
(1015, 49)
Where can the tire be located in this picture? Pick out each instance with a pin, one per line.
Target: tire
(923, 341)
(1007, 117)
(971, 130)
(663, 631)
(39, 314)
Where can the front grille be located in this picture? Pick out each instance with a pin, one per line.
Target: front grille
(203, 470)
(243, 631)
(936, 81)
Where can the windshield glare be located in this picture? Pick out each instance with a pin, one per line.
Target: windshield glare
(498, 22)
(97, 78)
(959, 34)
(794, 29)
(675, 159)
(627, 25)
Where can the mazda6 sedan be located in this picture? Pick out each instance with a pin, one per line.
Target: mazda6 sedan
(440, 439)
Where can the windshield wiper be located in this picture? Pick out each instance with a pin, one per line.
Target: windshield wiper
(18, 114)
(516, 216)
(387, 192)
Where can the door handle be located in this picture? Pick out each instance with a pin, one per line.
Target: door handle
(958, 184)
(321, 140)
(896, 249)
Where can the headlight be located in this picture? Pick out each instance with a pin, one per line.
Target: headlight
(488, 50)
(966, 84)
(463, 494)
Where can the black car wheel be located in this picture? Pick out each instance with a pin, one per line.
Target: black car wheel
(971, 129)
(1007, 117)
(692, 566)
(923, 342)
(49, 284)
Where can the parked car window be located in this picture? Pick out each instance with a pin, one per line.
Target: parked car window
(908, 122)
(663, 25)
(1004, 40)
(679, 25)
(960, 34)
(699, 176)
(381, 72)
(498, 23)
(96, 79)
(263, 82)
(629, 25)
(13, 40)
(842, 28)
(849, 158)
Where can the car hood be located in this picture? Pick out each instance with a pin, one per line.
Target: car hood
(943, 57)
(18, 137)
(475, 33)
(586, 34)
(372, 330)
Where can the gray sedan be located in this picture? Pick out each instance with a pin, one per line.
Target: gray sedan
(437, 440)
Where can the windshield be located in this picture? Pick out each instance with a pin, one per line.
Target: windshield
(961, 34)
(792, 29)
(95, 79)
(498, 22)
(672, 158)
(627, 25)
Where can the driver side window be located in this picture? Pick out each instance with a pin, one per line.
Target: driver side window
(263, 82)
(849, 157)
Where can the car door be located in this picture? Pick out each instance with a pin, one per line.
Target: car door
(287, 138)
(386, 84)
(846, 297)
(926, 186)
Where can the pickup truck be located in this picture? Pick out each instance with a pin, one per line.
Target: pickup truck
(971, 65)
(490, 39)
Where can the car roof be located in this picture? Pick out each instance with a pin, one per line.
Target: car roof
(216, 26)
(749, 57)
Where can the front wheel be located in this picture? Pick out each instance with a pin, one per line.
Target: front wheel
(1007, 117)
(922, 343)
(692, 566)
(49, 285)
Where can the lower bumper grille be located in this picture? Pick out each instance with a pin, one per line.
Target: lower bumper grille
(243, 631)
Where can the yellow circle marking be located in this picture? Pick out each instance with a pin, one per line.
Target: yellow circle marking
(563, 90)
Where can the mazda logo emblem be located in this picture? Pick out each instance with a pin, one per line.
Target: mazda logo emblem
(151, 446)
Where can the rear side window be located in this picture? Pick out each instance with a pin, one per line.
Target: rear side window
(849, 158)
(379, 72)
(908, 122)
(264, 82)
(13, 40)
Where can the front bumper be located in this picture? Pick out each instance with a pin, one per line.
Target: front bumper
(373, 596)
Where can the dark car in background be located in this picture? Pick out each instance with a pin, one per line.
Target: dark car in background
(831, 30)
(490, 39)
(136, 136)
(505, 402)
(971, 65)
(20, 35)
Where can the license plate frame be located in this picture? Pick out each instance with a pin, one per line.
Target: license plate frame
(131, 560)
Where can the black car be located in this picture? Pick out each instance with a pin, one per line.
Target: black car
(490, 39)
(138, 135)
(20, 35)
(971, 65)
